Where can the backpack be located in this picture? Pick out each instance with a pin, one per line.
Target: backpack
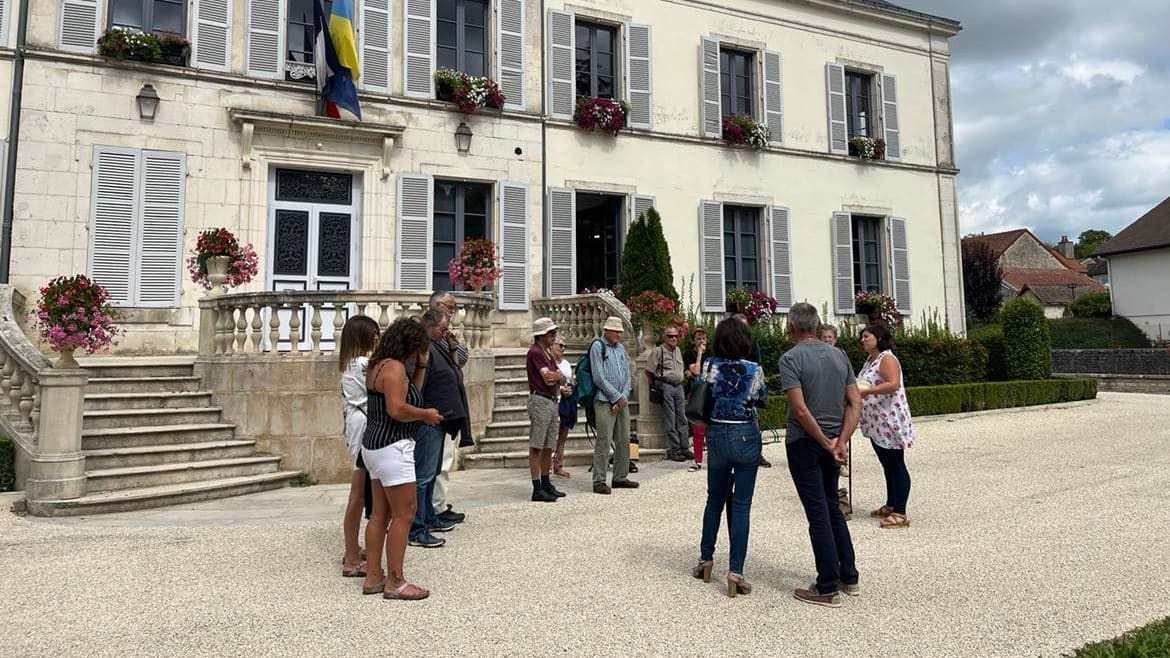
(586, 389)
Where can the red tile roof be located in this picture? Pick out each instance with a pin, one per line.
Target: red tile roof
(1058, 295)
(999, 242)
(1074, 265)
(1018, 278)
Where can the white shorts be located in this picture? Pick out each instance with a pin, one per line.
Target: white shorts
(392, 465)
(355, 428)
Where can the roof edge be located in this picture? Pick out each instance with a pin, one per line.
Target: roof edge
(1132, 250)
(949, 25)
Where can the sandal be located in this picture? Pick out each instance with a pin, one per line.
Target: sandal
(882, 512)
(695, 467)
(737, 585)
(895, 520)
(703, 570)
(356, 572)
(560, 472)
(376, 589)
(400, 593)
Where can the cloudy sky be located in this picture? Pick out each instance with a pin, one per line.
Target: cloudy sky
(1062, 111)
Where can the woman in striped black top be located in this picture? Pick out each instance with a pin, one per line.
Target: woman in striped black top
(395, 410)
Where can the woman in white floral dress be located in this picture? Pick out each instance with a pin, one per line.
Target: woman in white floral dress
(886, 422)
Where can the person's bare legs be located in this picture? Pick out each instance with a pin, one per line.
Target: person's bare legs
(546, 462)
(376, 535)
(559, 453)
(535, 462)
(352, 521)
(403, 501)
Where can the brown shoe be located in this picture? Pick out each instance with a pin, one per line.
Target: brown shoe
(882, 512)
(811, 595)
(625, 484)
(601, 488)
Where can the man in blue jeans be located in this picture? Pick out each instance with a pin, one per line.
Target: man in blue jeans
(824, 406)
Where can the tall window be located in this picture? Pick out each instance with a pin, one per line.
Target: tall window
(461, 214)
(149, 15)
(858, 112)
(595, 59)
(300, 37)
(741, 247)
(867, 254)
(461, 39)
(735, 82)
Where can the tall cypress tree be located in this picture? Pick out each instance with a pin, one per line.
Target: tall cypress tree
(646, 258)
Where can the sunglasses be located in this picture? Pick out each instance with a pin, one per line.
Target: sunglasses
(669, 336)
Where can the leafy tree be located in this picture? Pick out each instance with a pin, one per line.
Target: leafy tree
(646, 259)
(982, 279)
(1088, 242)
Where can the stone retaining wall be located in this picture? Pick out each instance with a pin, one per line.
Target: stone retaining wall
(1112, 362)
(1159, 384)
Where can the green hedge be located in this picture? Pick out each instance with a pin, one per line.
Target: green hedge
(1150, 640)
(958, 398)
(7, 464)
(991, 338)
(1027, 345)
(1092, 305)
(1096, 334)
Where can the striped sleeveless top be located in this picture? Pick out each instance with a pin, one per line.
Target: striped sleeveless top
(381, 428)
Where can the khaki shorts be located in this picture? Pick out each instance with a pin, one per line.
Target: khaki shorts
(543, 422)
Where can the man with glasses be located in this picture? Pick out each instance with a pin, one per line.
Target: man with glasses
(665, 366)
(444, 301)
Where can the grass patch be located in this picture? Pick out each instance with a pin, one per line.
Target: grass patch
(1095, 333)
(1149, 641)
(7, 464)
(303, 480)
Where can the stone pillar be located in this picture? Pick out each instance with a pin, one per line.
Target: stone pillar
(207, 315)
(57, 469)
(651, 427)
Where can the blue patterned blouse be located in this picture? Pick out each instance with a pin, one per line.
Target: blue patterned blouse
(738, 387)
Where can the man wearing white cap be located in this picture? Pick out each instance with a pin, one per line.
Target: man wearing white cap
(610, 366)
(544, 379)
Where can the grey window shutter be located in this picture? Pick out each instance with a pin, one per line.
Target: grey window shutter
(4, 22)
(838, 130)
(510, 63)
(265, 39)
(641, 204)
(514, 246)
(375, 45)
(562, 242)
(79, 25)
(416, 198)
(843, 263)
(561, 64)
(890, 118)
(164, 177)
(774, 95)
(212, 42)
(113, 208)
(638, 74)
(418, 56)
(900, 263)
(713, 289)
(709, 75)
(780, 236)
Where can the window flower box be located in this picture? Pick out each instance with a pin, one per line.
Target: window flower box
(604, 114)
(867, 148)
(878, 308)
(468, 92)
(165, 48)
(742, 130)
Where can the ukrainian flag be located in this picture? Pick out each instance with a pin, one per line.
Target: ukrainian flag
(336, 57)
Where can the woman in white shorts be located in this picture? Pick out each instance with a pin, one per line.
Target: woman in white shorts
(358, 338)
(395, 410)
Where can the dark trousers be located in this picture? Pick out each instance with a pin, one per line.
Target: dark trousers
(815, 474)
(897, 477)
(428, 458)
(733, 459)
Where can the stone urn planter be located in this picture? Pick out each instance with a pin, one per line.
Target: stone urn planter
(217, 267)
(66, 362)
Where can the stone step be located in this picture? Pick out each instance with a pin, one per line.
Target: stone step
(128, 437)
(115, 418)
(512, 385)
(575, 441)
(139, 367)
(107, 385)
(128, 500)
(518, 413)
(98, 460)
(150, 400)
(519, 459)
(136, 477)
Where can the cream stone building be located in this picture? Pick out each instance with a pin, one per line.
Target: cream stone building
(104, 185)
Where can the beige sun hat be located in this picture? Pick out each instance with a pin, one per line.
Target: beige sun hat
(613, 323)
(542, 326)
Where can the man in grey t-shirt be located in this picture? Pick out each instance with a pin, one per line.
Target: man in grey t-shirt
(824, 406)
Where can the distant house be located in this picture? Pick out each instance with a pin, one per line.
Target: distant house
(1037, 272)
(1097, 269)
(1139, 272)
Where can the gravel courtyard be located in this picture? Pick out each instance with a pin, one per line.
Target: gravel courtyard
(1033, 532)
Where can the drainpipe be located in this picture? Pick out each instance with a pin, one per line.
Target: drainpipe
(543, 152)
(13, 140)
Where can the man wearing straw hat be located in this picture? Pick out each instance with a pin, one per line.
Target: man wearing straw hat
(544, 379)
(610, 366)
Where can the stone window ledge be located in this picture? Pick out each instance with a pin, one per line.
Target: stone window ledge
(175, 317)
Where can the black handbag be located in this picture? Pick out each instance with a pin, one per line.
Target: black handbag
(656, 383)
(702, 401)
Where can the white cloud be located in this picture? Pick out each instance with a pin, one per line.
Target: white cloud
(1085, 72)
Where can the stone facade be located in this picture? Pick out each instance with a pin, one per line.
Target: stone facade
(1028, 253)
(1112, 362)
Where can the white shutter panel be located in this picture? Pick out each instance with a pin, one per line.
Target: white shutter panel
(638, 75)
(838, 130)
(900, 263)
(561, 60)
(510, 63)
(562, 242)
(774, 95)
(713, 288)
(265, 38)
(164, 177)
(843, 263)
(779, 231)
(419, 49)
(514, 246)
(375, 46)
(416, 198)
(211, 45)
(890, 118)
(4, 22)
(712, 102)
(79, 25)
(111, 233)
(640, 204)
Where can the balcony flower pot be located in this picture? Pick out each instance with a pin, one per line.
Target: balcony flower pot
(66, 360)
(742, 130)
(217, 269)
(469, 93)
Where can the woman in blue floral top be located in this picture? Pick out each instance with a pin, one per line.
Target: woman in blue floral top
(733, 448)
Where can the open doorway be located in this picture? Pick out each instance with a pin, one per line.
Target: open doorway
(599, 239)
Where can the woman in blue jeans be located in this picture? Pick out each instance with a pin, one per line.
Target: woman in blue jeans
(733, 448)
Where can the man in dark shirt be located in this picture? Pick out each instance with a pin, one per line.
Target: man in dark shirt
(544, 379)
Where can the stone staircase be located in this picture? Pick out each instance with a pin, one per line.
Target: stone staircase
(151, 438)
(505, 443)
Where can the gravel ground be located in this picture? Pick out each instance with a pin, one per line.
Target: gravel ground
(1033, 532)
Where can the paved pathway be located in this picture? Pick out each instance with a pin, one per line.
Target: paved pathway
(1034, 532)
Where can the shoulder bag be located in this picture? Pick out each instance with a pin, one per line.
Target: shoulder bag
(656, 384)
(702, 401)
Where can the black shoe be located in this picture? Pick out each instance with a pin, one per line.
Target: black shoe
(765, 463)
(633, 467)
(451, 515)
(677, 457)
(542, 496)
(440, 525)
(427, 540)
(601, 488)
(625, 484)
(554, 491)
(689, 455)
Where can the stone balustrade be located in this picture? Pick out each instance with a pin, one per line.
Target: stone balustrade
(580, 317)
